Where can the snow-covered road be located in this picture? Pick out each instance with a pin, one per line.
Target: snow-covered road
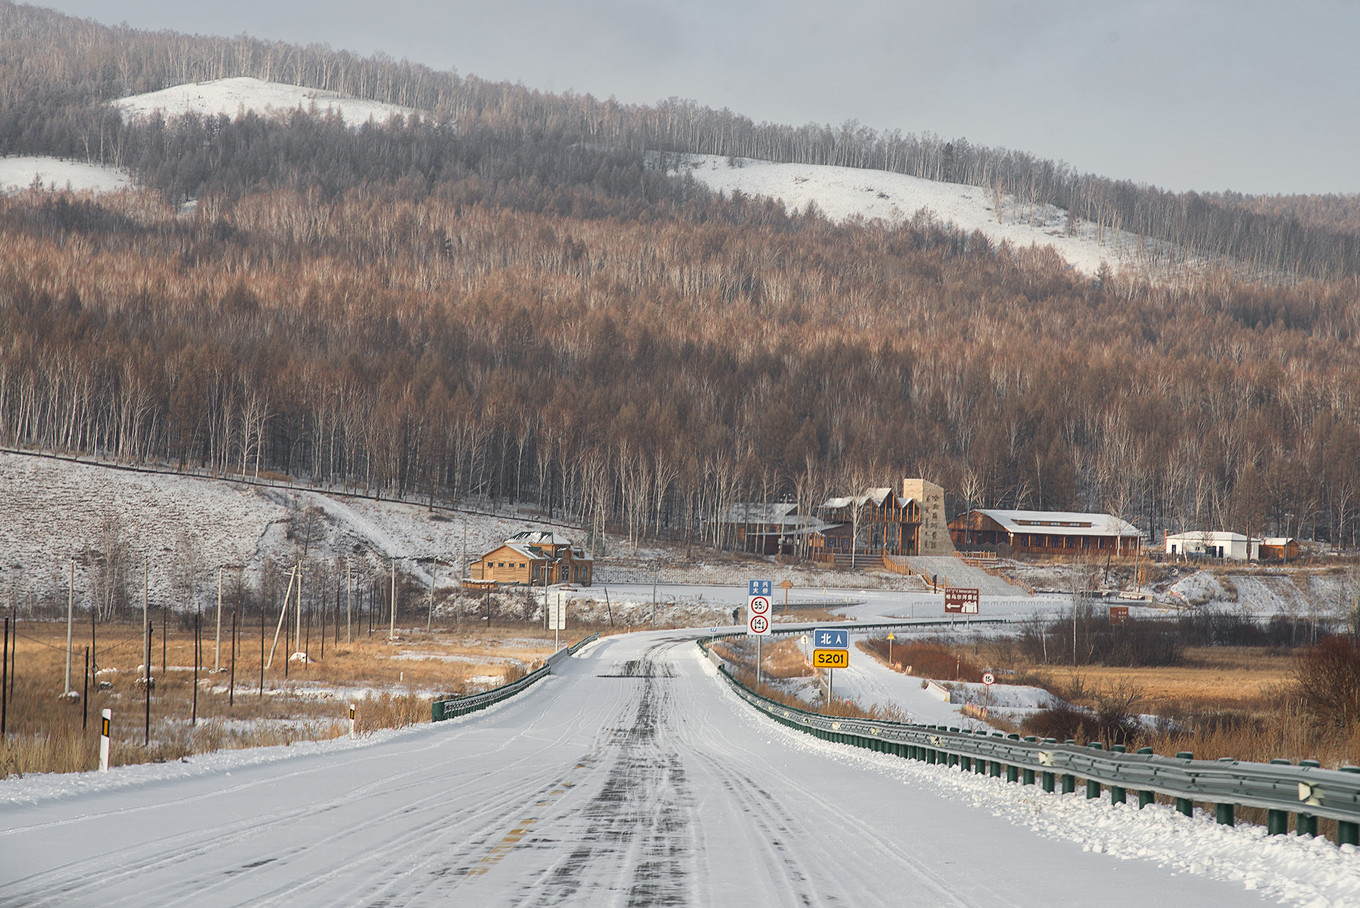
(634, 777)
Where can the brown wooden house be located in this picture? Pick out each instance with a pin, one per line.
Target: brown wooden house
(532, 558)
(1279, 548)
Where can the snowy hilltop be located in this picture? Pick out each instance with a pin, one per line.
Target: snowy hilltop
(848, 193)
(229, 97)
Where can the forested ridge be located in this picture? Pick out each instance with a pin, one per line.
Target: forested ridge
(502, 299)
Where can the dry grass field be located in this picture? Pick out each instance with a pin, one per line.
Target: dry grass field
(1240, 702)
(391, 682)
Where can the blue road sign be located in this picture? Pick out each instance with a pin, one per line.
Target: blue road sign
(829, 638)
(760, 587)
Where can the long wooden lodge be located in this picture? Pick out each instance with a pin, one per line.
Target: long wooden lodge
(1044, 532)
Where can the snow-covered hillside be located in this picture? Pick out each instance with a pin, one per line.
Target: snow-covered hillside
(20, 172)
(57, 510)
(224, 96)
(843, 193)
(232, 96)
(54, 510)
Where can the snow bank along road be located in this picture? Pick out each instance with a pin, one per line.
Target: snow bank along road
(634, 777)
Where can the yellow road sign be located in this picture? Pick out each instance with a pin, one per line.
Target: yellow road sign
(831, 658)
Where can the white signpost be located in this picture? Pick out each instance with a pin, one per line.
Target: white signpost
(557, 613)
(758, 593)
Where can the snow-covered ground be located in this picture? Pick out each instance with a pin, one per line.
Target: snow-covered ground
(842, 193)
(19, 172)
(230, 97)
(632, 777)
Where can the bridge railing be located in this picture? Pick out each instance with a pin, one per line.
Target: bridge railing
(460, 706)
(1306, 790)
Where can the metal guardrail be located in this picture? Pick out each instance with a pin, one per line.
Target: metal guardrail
(461, 706)
(1307, 790)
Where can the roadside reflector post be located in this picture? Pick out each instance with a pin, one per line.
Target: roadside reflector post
(104, 740)
(351, 720)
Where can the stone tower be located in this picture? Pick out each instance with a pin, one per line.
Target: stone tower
(934, 528)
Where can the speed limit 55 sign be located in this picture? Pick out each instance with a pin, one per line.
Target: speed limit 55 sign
(758, 607)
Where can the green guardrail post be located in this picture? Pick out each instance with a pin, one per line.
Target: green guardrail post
(1092, 786)
(1307, 823)
(1277, 821)
(1027, 774)
(1348, 831)
(1145, 797)
(1185, 805)
(1223, 813)
(1117, 791)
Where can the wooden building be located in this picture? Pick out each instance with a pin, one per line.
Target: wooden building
(766, 528)
(1044, 532)
(532, 558)
(880, 521)
(1279, 548)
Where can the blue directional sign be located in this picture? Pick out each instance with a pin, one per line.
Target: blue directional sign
(830, 638)
(760, 587)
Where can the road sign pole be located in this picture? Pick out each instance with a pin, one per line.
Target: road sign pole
(758, 660)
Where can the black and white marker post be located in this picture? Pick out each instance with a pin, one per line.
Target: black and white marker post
(104, 741)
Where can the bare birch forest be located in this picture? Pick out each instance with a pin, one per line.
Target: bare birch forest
(501, 300)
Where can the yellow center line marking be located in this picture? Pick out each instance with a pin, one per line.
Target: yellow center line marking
(514, 836)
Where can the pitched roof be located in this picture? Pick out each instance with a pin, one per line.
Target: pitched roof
(877, 496)
(759, 512)
(537, 537)
(1061, 523)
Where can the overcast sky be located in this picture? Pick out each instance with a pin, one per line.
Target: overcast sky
(1258, 96)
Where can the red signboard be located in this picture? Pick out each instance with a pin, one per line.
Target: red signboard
(960, 601)
(1119, 614)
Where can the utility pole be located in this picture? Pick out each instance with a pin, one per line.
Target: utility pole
(70, 611)
(297, 630)
(392, 625)
(349, 602)
(217, 654)
(146, 636)
(429, 619)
